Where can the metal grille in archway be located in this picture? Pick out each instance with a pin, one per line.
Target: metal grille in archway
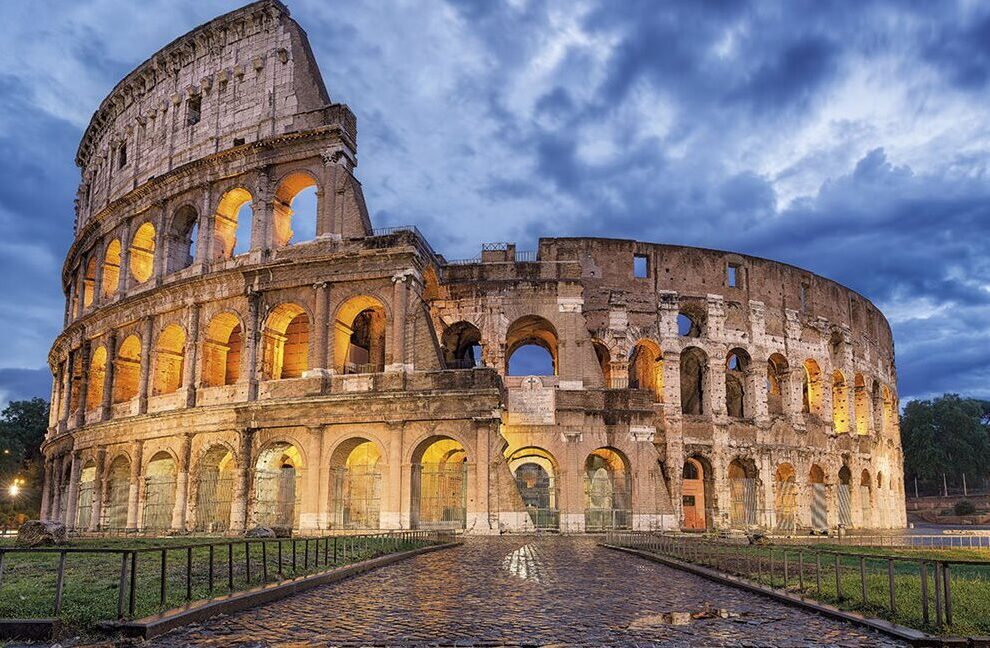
(819, 507)
(85, 505)
(607, 501)
(742, 491)
(276, 497)
(536, 487)
(786, 506)
(845, 505)
(215, 492)
(159, 501)
(115, 511)
(357, 495)
(442, 495)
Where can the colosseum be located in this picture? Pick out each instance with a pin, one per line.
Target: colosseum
(229, 360)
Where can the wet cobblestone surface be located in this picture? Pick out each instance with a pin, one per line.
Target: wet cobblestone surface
(521, 591)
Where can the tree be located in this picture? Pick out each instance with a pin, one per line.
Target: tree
(22, 431)
(948, 435)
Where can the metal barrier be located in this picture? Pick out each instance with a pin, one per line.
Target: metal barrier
(921, 541)
(917, 592)
(129, 582)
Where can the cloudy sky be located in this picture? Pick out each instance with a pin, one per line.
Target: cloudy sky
(850, 138)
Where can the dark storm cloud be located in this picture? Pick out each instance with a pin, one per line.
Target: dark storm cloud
(851, 139)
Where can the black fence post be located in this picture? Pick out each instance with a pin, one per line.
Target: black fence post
(211, 571)
(188, 573)
(924, 592)
(335, 550)
(948, 594)
(230, 566)
(59, 583)
(838, 578)
(131, 602)
(890, 586)
(862, 579)
(264, 561)
(161, 583)
(121, 584)
(247, 562)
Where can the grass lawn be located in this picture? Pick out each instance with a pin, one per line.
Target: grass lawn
(92, 579)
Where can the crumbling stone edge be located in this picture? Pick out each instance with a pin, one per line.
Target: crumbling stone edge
(904, 633)
(158, 624)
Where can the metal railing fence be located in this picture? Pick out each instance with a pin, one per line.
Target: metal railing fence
(922, 592)
(86, 585)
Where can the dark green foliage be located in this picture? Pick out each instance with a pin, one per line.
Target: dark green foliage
(22, 430)
(947, 435)
(964, 507)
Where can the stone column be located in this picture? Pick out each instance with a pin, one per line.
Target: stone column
(262, 206)
(716, 384)
(46, 490)
(400, 299)
(84, 353)
(390, 516)
(321, 327)
(65, 403)
(80, 290)
(163, 244)
(98, 486)
(144, 385)
(482, 473)
(252, 339)
(72, 507)
(756, 391)
(125, 259)
(106, 406)
(310, 504)
(182, 485)
(133, 500)
(98, 278)
(242, 482)
(56, 509)
(191, 355)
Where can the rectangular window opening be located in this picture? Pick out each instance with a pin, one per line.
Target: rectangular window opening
(641, 266)
(194, 107)
(122, 156)
(804, 298)
(732, 275)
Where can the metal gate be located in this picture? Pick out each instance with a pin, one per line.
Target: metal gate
(742, 491)
(539, 495)
(357, 495)
(215, 492)
(865, 505)
(786, 506)
(115, 511)
(442, 501)
(845, 506)
(159, 501)
(85, 504)
(607, 501)
(276, 497)
(819, 507)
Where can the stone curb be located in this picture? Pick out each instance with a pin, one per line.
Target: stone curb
(153, 626)
(904, 633)
(29, 629)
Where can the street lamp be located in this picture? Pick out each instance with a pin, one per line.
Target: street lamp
(15, 487)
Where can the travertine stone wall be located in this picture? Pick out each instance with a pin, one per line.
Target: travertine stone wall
(330, 383)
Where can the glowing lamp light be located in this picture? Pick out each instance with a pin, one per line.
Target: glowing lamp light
(15, 487)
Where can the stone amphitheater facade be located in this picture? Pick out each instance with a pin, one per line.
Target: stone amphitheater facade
(210, 380)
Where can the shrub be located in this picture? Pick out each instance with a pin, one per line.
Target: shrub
(964, 507)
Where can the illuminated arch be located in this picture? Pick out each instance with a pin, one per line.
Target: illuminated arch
(840, 403)
(214, 488)
(863, 406)
(111, 269)
(127, 370)
(228, 227)
(811, 388)
(222, 350)
(356, 476)
(182, 234)
(646, 368)
(607, 490)
(170, 353)
(284, 216)
(141, 254)
(461, 344)
(278, 485)
(776, 380)
(785, 496)
(439, 483)
(536, 474)
(97, 375)
(531, 331)
(159, 491)
(359, 335)
(737, 363)
(285, 342)
(89, 282)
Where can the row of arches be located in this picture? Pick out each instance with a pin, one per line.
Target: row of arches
(294, 210)
(799, 501)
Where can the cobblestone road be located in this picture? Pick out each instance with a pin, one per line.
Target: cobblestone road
(521, 591)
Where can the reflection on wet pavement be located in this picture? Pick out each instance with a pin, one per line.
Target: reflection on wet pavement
(524, 591)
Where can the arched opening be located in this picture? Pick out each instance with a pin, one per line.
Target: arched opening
(646, 368)
(277, 486)
(159, 492)
(285, 343)
(736, 368)
(462, 346)
(845, 497)
(75, 382)
(694, 370)
(877, 412)
(127, 370)
(819, 498)
(141, 254)
(222, 350)
(170, 355)
(811, 388)
(604, 363)
(182, 237)
(214, 490)
(531, 347)
(295, 209)
(840, 403)
(696, 476)
(97, 374)
(888, 412)
(689, 324)
(87, 493)
(776, 379)
(439, 484)
(607, 491)
(356, 475)
(866, 498)
(89, 283)
(862, 403)
(359, 336)
(111, 269)
(785, 493)
(743, 493)
(117, 494)
(535, 472)
(232, 224)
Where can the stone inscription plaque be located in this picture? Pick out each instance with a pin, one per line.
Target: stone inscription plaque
(532, 402)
